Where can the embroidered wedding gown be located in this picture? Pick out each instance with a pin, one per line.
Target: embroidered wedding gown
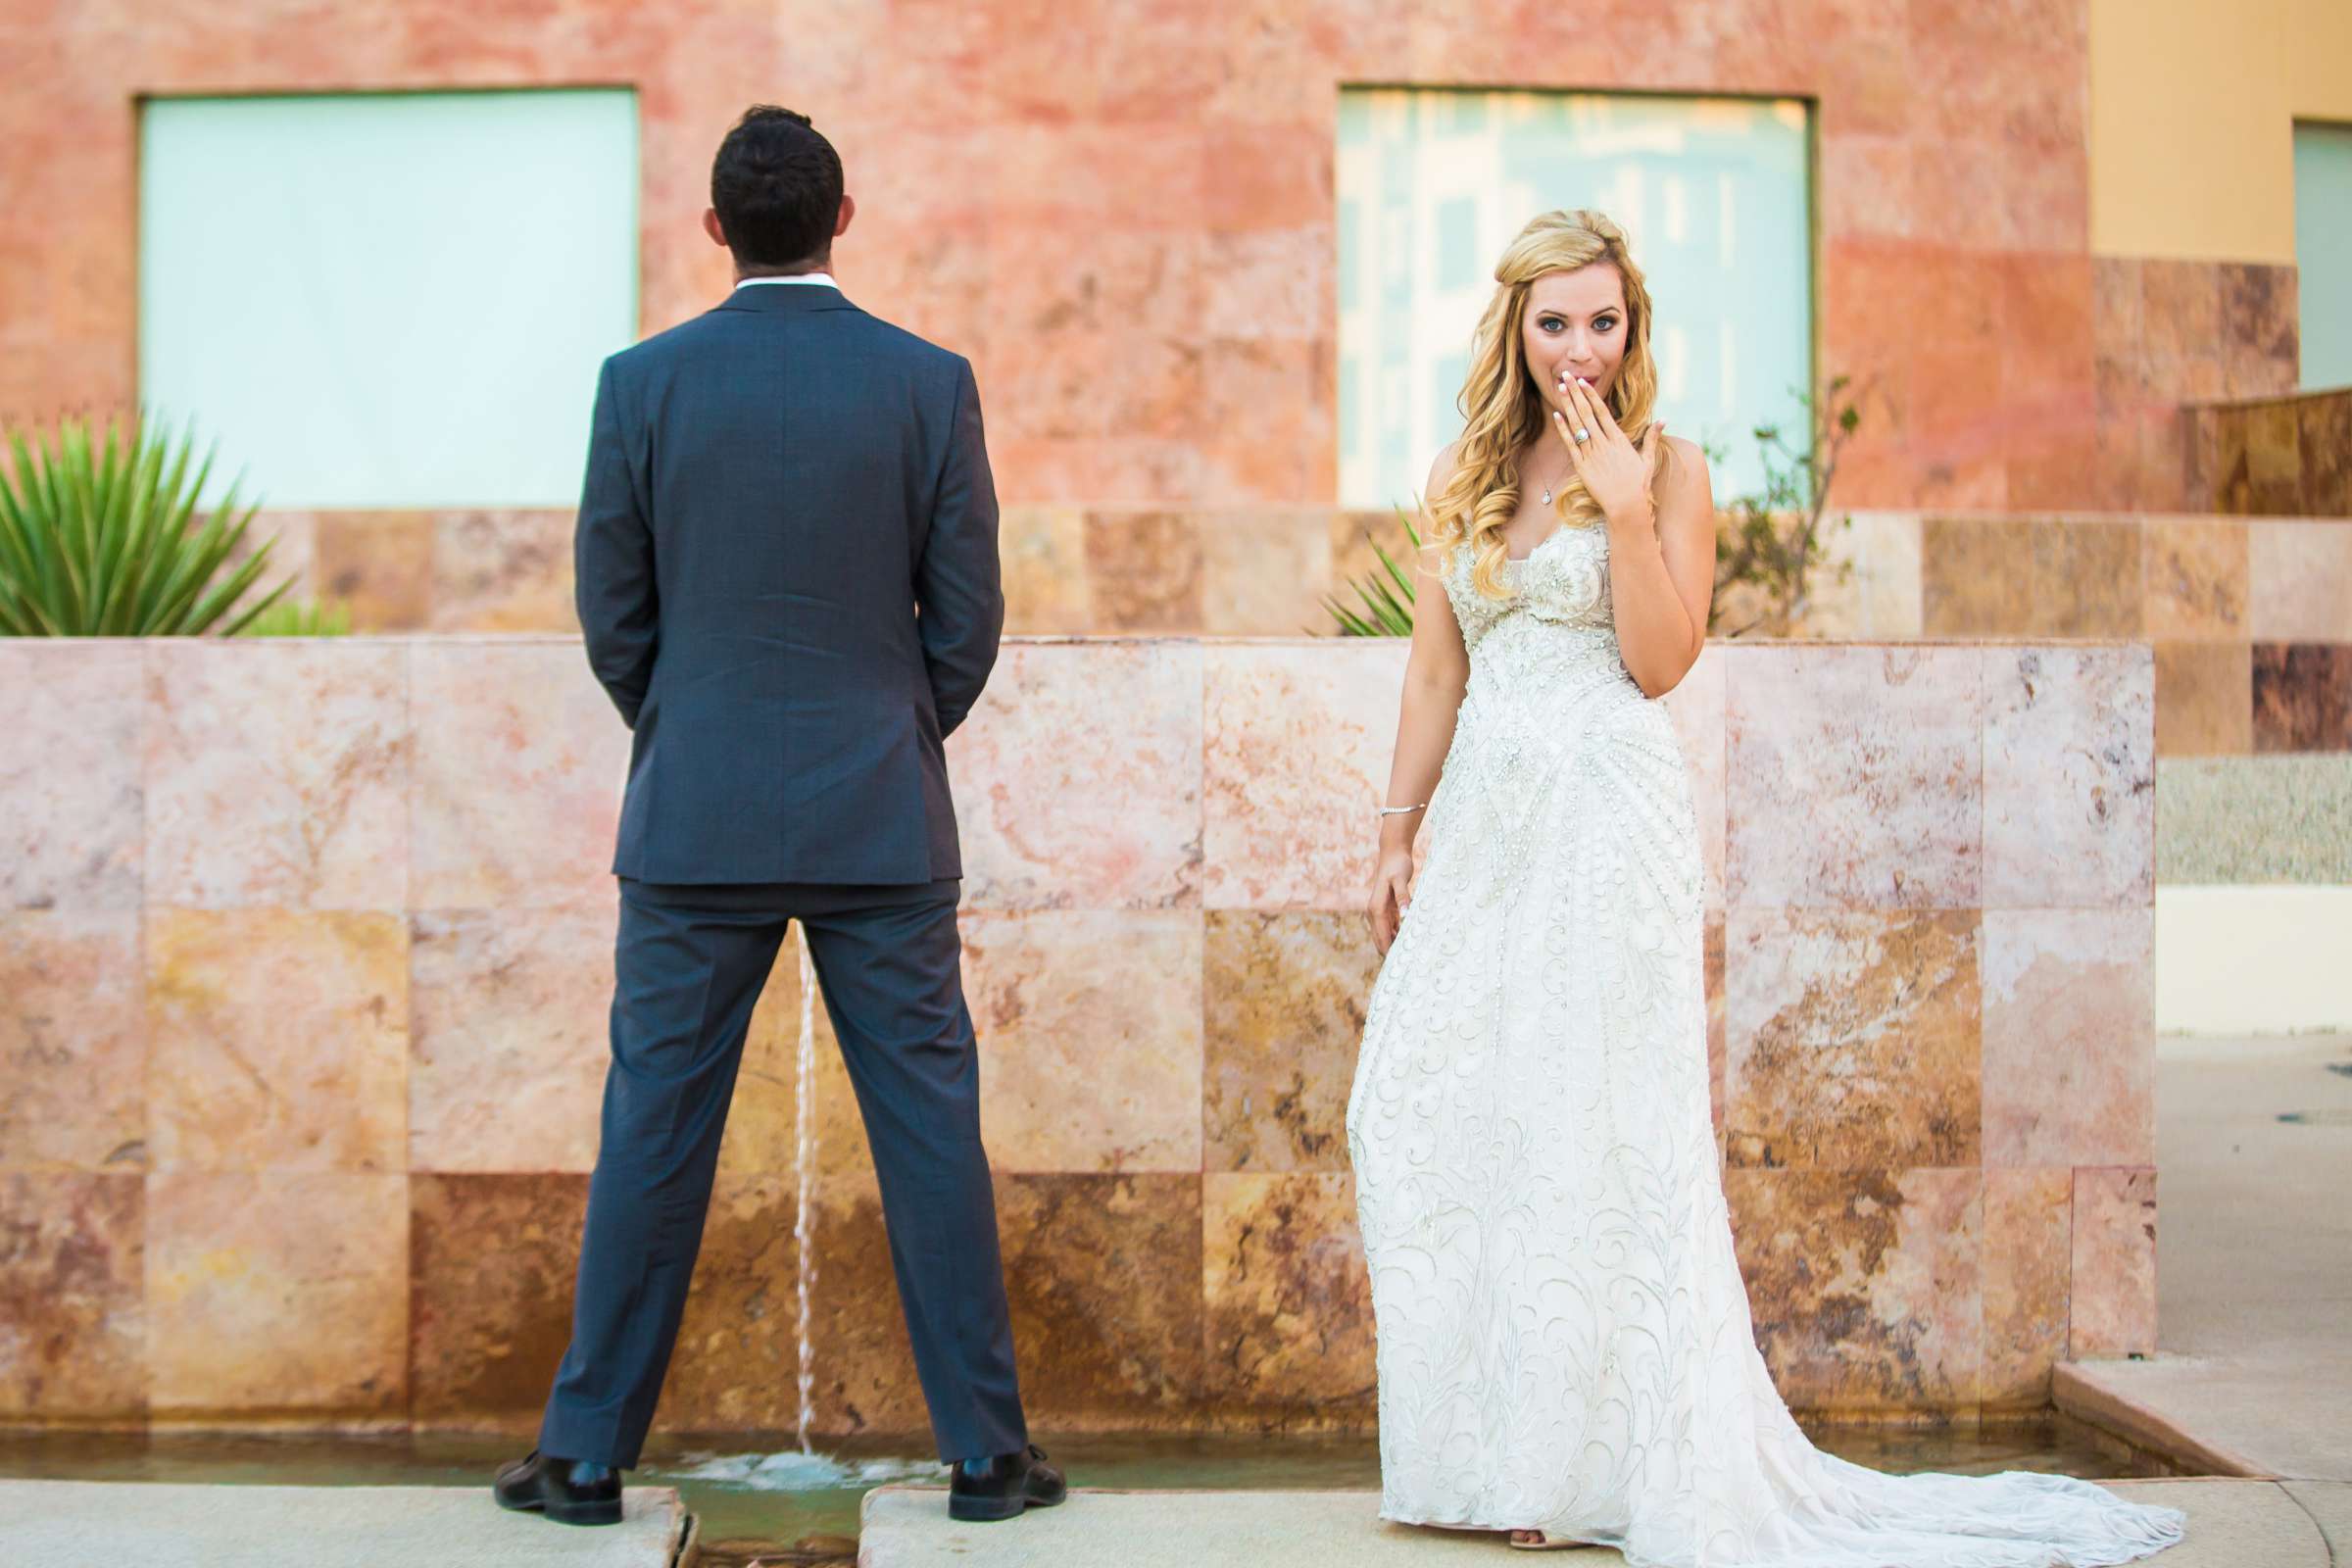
(1563, 1334)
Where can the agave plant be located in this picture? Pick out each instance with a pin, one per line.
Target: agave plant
(302, 618)
(1388, 611)
(103, 541)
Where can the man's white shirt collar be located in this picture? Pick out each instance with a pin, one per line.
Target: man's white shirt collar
(822, 280)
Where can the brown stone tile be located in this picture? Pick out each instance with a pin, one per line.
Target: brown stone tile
(72, 1293)
(2070, 1012)
(2325, 426)
(2115, 315)
(738, 1362)
(72, 794)
(2084, 582)
(2196, 573)
(1104, 1275)
(2204, 705)
(1266, 572)
(2274, 457)
(1288, 1300)
(273, 1293)
(1852, 1039)
(2113, 1310)
(1976, 575)
(2302, 697)
(503, 571)
(378, 566)
(1143, 570)
(2027, 1268)
(493, 1260)
(1865, 1287)
(278, 1040)
(1090, 1026)
(1042, 555)
(864, 1381)
(509, 1015)
(2260, 332)
(2180, 310)
(72, 1040)
(1283, 997)
(763, 1127)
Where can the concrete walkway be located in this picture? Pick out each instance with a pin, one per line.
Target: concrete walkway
(2232, 1524)
(131, 1524)
(2253, 1265)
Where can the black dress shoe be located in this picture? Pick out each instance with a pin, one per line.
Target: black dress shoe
(571, 1492)
(1002, 1484)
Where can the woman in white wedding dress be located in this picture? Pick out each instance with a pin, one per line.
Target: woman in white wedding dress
(1564, 1347)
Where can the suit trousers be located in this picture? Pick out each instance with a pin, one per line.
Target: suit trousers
(689, 966)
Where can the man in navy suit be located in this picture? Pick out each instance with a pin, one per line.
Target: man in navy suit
(787, 576)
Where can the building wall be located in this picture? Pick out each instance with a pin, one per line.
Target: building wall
(1138, 252)
(308, 946)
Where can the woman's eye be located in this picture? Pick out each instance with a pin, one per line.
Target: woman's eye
(1551, 324)
(1607, 324)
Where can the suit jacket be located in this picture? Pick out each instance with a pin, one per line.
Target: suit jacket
(786, 573)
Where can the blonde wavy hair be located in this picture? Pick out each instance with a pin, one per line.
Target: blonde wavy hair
(1501, 411)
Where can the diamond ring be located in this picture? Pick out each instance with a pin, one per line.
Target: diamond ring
(1583, 434)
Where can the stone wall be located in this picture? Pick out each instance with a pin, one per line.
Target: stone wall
(2282, 456)
(1140, 256)
(307, 952)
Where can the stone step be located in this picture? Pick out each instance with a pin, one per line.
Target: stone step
(117, 1524)
(2232, 1524)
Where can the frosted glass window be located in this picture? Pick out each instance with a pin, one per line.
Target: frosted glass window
(2323, 231)
(1712, 192)
(388, 300)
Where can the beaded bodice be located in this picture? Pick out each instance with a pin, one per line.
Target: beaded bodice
(1553, 634)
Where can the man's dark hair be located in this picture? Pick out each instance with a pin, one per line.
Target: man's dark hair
(776, 186)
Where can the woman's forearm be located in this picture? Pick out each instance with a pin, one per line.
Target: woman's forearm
(1424, 734)
(1655, 634)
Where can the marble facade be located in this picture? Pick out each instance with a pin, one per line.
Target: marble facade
(308, 948)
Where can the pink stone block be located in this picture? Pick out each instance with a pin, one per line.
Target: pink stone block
(278, 1040)
(308, 807)
(1077, 778)
(2028, 1238)
(1852, 776)
(2299, 581)
(1090, 1029)
(1696, 707)
(72, 1040)
(2069, 777)
(1298, 740)
(2070, 1021)
(2114, 1307)
(271, 1292)
(72, 1296)
(520, 760)
(510, 1015)
(72, 793)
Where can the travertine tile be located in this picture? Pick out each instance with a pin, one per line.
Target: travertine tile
(2204, 698)
(378, 565)
(310, 808)
(2069, 777)
(1877, 752)
(507, 570)
(1287, 1301)
(1078, 779)
(1866, 1286)
(2070, 1017)
(72, 1040)
(275, 1293)
(493, 1262)
(1852, 1039)
(72, 1295)
(1090, 1038)
(278, 1041)
(2299, 581)
(73, 796)
(2113, 1309)
(510, 1038)
(2195, 570)
(519, 765)
(2027, 1243)
(737, 1366)
(2302, 697)
(1284, 997)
